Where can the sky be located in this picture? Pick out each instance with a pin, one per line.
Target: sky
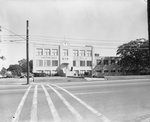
(104, 24)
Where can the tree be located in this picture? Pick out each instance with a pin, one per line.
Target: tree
(31, 66)
(3, 71)
(2, 57)
(135, 56)
(23, 64)
(15, 69)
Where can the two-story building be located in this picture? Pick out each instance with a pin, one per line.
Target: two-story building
(63, 59)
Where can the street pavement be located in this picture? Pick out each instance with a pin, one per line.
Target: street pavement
(75, 101)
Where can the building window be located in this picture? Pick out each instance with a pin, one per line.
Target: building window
(47, 52)
(39, 51)
(105, 62)
(89, 63)
(96, 55)
(113, 71)
(82, 72)
(82, 52)
(112, 61)
(65, 52)
(39, 71)
(39, 63)
(106, 71)
(54, 52)
(74, 63)
(48, 72)
(54, 72)
(119, 71)
(118, 62)
(75, 52)
(99, 62)
(82, 63)
(88, 53)
(47, 63)
(54, 62)
(99, 71)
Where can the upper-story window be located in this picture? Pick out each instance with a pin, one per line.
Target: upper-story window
(89, 53)
(39, 51)
(75, 52)
(47, 52)
(82, 52)
(99, 62)
(65, 52)
(105, 62)
(54, 52)
(112, 61)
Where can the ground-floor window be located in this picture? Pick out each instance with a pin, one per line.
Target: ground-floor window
(106, 71)
(89, 63)
(39, 62)
(54, 62)
(82, 63)
(76, 72)
(39, 71)
(54, 72)
(48, 72)
(74, 63)
(82, 72)
(113, 70)
(99, 71)
(47, 62)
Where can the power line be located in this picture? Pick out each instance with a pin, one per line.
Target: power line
(13, 32)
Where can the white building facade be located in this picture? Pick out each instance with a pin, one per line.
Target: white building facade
(50, 59)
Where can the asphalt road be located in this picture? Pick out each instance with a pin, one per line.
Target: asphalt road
(90, 101)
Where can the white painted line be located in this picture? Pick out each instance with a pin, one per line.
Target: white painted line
(78, 117)
(19, 109)
(51, 106)
(103, 92)
(33, 116)
(85, 104)
(103, 85)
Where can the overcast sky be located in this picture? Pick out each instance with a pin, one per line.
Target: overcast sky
(105, 24)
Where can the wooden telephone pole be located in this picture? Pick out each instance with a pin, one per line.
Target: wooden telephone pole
(27, 50)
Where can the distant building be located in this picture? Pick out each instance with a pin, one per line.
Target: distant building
(107, 66)
(64, 59)
(67, 60)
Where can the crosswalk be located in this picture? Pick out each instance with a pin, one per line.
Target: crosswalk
(77, 115)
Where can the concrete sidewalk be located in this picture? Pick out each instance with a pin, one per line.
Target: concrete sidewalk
(95, 79)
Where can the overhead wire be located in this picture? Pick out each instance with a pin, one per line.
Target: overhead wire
(35, 39)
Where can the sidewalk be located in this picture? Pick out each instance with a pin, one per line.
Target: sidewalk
(95, 79)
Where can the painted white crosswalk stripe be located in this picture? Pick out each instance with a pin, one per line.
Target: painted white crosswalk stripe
(33, 116)
(78, 117)
(85, 104)
(51, 106)
(19, 109)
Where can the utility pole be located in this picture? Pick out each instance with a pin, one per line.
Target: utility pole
(148, 20)
(27, 49)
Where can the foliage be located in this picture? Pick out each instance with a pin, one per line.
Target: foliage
(23, 64)
(2, 57)
(15, 69)
(3, 71)
(135, 56)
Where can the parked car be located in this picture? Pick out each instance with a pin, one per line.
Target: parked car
(24, 75)
(40, 74)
